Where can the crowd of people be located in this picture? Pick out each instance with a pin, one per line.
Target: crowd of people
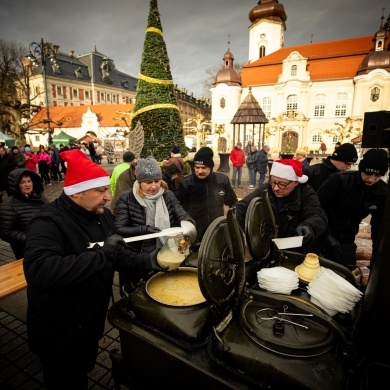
(73, 245)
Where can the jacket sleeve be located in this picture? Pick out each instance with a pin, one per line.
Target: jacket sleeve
(123, 223)
(312, 214)
(8, 232)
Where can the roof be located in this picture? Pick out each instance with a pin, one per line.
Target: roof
(332, 60)
(72, 116)
(249, 111)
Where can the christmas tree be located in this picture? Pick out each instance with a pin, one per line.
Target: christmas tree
(156, 105)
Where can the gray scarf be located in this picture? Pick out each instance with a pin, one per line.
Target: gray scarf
(155, 208)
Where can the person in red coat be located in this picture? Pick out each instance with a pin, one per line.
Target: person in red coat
(31, 159)
(237, 157)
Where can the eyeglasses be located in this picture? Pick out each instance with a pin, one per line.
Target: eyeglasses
(280, 185)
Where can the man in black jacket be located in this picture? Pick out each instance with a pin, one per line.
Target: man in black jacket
(204, 193)
(341, 160)
(69, 281)
(349, 197)
(295, 205)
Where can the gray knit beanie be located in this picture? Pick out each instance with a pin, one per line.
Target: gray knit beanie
(148, 169)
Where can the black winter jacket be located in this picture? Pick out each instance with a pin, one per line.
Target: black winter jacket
(318, 173)
(301, 207)
(347, 201)
(68, 285)
(204, 199)
(130, 217)
(17, 210)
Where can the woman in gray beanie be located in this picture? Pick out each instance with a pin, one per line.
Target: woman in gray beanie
(147, 208)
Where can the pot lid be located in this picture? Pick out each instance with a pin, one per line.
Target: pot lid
(221, 260)
(297, 336)
(260, 227)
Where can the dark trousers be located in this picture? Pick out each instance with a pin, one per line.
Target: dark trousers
(69, 368)
(56, 172)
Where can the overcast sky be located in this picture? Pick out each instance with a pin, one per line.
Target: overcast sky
(195, 31)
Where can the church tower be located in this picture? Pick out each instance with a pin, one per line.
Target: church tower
(266, 33)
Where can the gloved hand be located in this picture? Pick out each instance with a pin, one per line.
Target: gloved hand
(306, 232)
(189, 231)
(113, 245)
(152, 229)
(153, 261)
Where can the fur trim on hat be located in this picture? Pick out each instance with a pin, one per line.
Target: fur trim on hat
(288, 169)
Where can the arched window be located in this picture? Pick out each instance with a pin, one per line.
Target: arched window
(341, 104)
(319, 105)
(262, 51)
(294, 70)
(375, 94)
(222, 103)
(291, 105)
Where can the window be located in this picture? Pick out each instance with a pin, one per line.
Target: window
(341, 104)
(59, 91)
(102, 96)
(316, 138)
(267, 107)
(75, 93)
(262, 52)
(87, 94)
(108, 97)
(222, 103)
(291, 105)
(319, 105)
(78, 73)
(375, 94)
(294, 70)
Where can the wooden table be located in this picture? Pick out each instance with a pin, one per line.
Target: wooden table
(12, 278)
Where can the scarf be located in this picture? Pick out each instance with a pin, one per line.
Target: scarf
(155, 208)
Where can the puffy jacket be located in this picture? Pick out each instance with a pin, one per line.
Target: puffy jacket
(130, 217)
(31, 161)
(17, 210)
(237, 157)
(204, 199)
(262, 161)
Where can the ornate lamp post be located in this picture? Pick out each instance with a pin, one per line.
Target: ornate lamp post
(40, 52)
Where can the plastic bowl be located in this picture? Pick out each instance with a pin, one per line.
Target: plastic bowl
(288, 242)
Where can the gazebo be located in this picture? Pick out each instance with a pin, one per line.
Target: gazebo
(249, 113)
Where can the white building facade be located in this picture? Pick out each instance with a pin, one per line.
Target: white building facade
(310, 94)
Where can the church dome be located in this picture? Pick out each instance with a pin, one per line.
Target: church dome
(379, 57)
(228, 75)
(268, 9)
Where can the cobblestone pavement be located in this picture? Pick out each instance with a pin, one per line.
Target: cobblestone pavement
(19, 368)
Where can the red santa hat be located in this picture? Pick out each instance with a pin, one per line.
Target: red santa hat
(288, 169)
(82, 174)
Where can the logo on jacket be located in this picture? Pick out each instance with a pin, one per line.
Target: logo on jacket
(221, 193)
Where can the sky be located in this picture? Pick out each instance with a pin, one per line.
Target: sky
(196, 32)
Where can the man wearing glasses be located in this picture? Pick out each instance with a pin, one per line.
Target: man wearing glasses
(342, 159)
(295, 205)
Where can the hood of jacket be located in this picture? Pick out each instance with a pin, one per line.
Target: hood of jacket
(14, 179)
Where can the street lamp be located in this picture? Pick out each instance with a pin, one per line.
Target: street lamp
(43, 51)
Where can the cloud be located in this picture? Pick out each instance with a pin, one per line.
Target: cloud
(196, 32)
